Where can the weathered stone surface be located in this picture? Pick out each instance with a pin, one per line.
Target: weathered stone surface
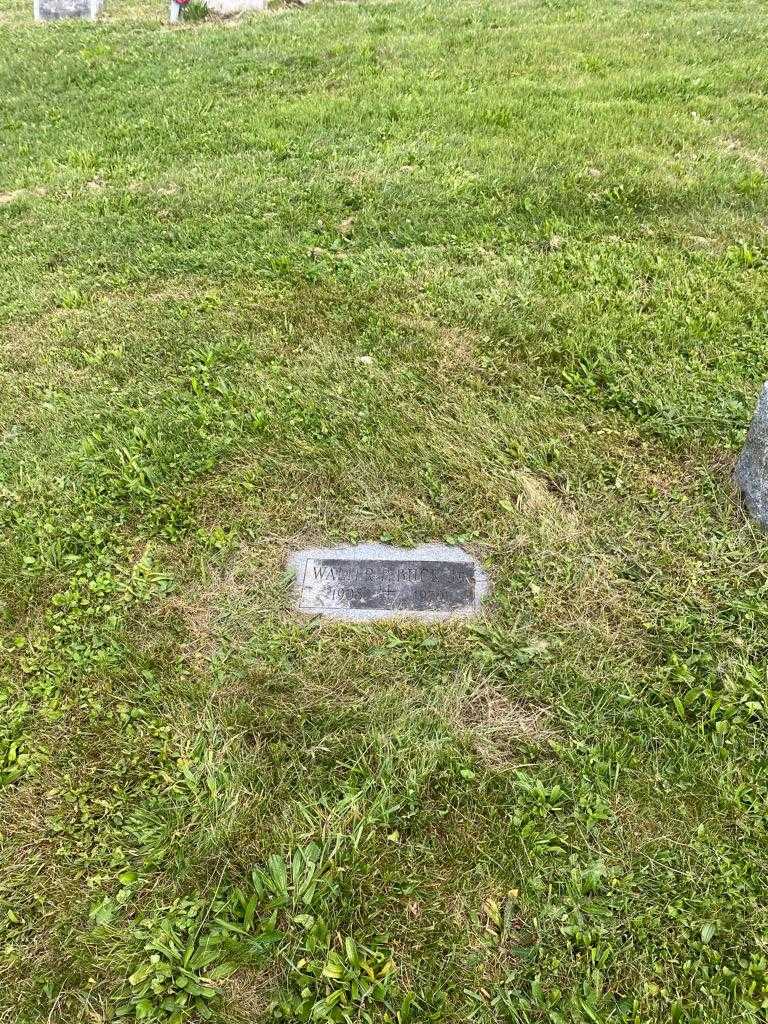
(54, 10)
(751, 474)
(374, 581)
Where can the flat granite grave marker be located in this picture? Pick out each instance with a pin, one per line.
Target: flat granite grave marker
(56, 10)
(376, 581)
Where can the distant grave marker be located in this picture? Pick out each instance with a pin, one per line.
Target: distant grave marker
(376, 581)
(236, 6)
(752, 467)
(57, 10)
(218, 7)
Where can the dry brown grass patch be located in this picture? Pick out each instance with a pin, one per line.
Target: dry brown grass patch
(499, 725)
(456, 351)
(22, 815)
(248, 993)
(224, 606)
(754, 159)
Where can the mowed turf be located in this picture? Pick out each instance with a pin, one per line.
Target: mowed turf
(489, 273)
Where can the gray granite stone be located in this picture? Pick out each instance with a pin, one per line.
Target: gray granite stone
(751, 474)
(55, 10)
(377, 581)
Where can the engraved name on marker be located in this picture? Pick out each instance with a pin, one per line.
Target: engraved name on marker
(375, 583)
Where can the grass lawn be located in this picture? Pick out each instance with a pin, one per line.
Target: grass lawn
(493, 273)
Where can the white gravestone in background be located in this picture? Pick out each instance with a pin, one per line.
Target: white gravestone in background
(55, 10)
